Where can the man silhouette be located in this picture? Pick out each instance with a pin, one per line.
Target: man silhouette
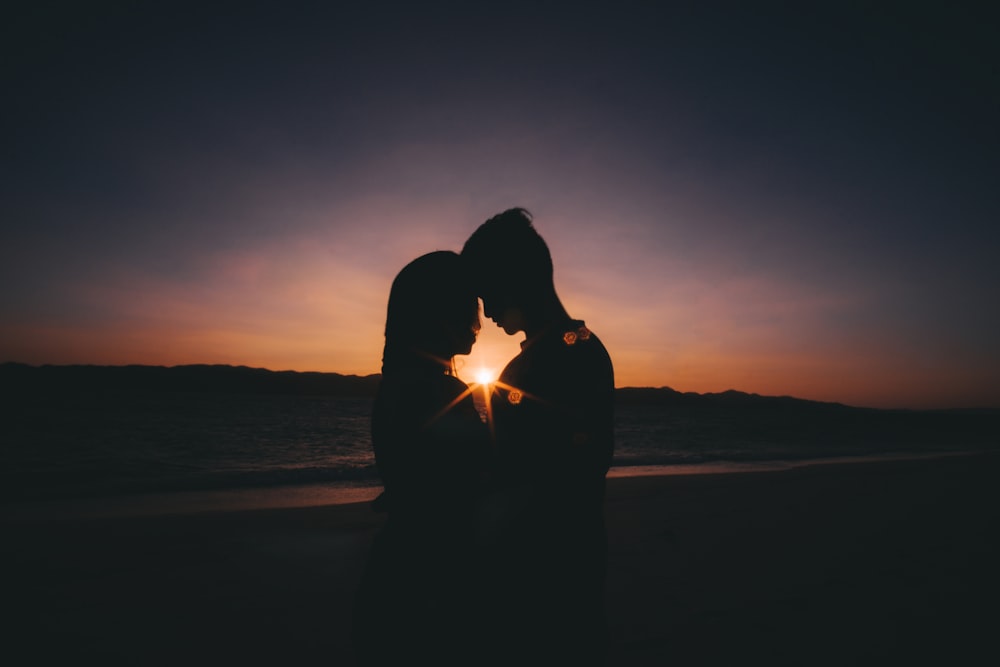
(553, 418)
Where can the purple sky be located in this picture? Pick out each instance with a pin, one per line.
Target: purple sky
(783, 202)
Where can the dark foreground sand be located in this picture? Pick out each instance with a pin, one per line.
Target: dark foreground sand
(891, 563)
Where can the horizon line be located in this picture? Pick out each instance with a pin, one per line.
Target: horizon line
(664, 387)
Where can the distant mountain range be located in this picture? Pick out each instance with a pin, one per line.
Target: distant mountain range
(730, 398)
(17, 378)
(733, 415)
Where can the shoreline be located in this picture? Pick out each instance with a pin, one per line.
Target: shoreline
(325, 494)
(871, 563)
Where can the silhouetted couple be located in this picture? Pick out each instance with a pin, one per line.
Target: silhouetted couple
(493, 551)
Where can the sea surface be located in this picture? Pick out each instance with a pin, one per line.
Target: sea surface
(80, 448)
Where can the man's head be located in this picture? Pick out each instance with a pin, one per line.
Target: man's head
(515, 268)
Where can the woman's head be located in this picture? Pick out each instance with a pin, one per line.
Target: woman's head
(433, 312)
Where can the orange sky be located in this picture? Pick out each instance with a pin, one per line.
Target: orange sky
(319, 304)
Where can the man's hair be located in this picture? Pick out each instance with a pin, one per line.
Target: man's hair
(509, 241)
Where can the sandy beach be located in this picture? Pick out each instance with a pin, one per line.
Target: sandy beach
(871, 563)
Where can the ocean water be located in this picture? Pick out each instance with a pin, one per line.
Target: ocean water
(91, 446)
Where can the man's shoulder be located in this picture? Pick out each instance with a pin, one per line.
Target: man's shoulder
(578, 344)
(571, 358)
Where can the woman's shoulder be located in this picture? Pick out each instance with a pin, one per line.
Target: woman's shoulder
(416, 393)
(453, 385)
(424, 382)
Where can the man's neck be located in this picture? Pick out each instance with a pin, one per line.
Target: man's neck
(546, 317)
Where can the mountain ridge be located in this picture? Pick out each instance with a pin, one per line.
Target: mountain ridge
(182, 378)
(16, 377)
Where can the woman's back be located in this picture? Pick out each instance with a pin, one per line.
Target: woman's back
(431, 449)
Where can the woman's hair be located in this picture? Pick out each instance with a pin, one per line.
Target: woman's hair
(431, 302)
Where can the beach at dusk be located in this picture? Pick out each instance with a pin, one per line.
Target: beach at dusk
(263, 261)
(864, 564)
(222, 515)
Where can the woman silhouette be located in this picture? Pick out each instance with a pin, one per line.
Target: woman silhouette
(431, 449)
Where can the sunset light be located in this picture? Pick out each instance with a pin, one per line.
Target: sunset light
(700, 217)
(485, 376)
(440, 330)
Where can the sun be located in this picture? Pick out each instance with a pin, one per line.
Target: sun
(485, 376)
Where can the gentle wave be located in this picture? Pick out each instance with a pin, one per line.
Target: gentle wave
(88, 446)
